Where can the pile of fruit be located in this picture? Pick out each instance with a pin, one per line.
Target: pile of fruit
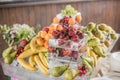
(64, 39)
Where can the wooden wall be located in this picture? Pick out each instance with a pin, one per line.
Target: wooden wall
(99, 11)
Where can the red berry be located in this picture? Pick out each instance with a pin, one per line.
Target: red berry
(79, 67)
(23, 42)
(84, 72)
(21, 50)
(83, 68)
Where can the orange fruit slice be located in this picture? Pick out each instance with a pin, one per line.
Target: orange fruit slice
(56, 20)
(59, 27)
(71, 21)
(78, 18)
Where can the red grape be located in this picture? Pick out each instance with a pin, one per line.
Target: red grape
(66, 38)
(60, 42)
(84, 72)
(55, 34)
(75, 38)
(81, 36)
(83, 68)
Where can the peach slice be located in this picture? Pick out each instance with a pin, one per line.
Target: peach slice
(71, 21)
(56, 20)
(59, 27)
(78, 18)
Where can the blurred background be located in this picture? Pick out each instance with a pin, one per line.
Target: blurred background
(35, 12)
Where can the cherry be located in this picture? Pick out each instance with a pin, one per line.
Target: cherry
(84, 72)
(79, 67)
(83, 68)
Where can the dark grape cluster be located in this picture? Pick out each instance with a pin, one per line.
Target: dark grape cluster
(64, 21)
(68, 33)
(82, 69)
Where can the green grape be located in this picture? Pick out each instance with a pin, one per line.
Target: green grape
(63, 12)
(69, 10)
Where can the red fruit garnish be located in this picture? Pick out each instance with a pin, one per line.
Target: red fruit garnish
(79, 67)
(23, 42)
(84, 72)
(45, 29)
(21, 50)
(83, 68)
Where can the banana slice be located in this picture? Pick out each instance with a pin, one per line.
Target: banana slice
(26, 64)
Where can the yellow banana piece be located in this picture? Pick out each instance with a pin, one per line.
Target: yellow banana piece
(26, 64)
(35, 47)
(26, 53)
(88, 51)
(92, 54)
(32, 61)
(43, 59)
(40, 65)
(27, 47)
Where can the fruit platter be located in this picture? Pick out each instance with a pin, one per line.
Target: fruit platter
(64, 50)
